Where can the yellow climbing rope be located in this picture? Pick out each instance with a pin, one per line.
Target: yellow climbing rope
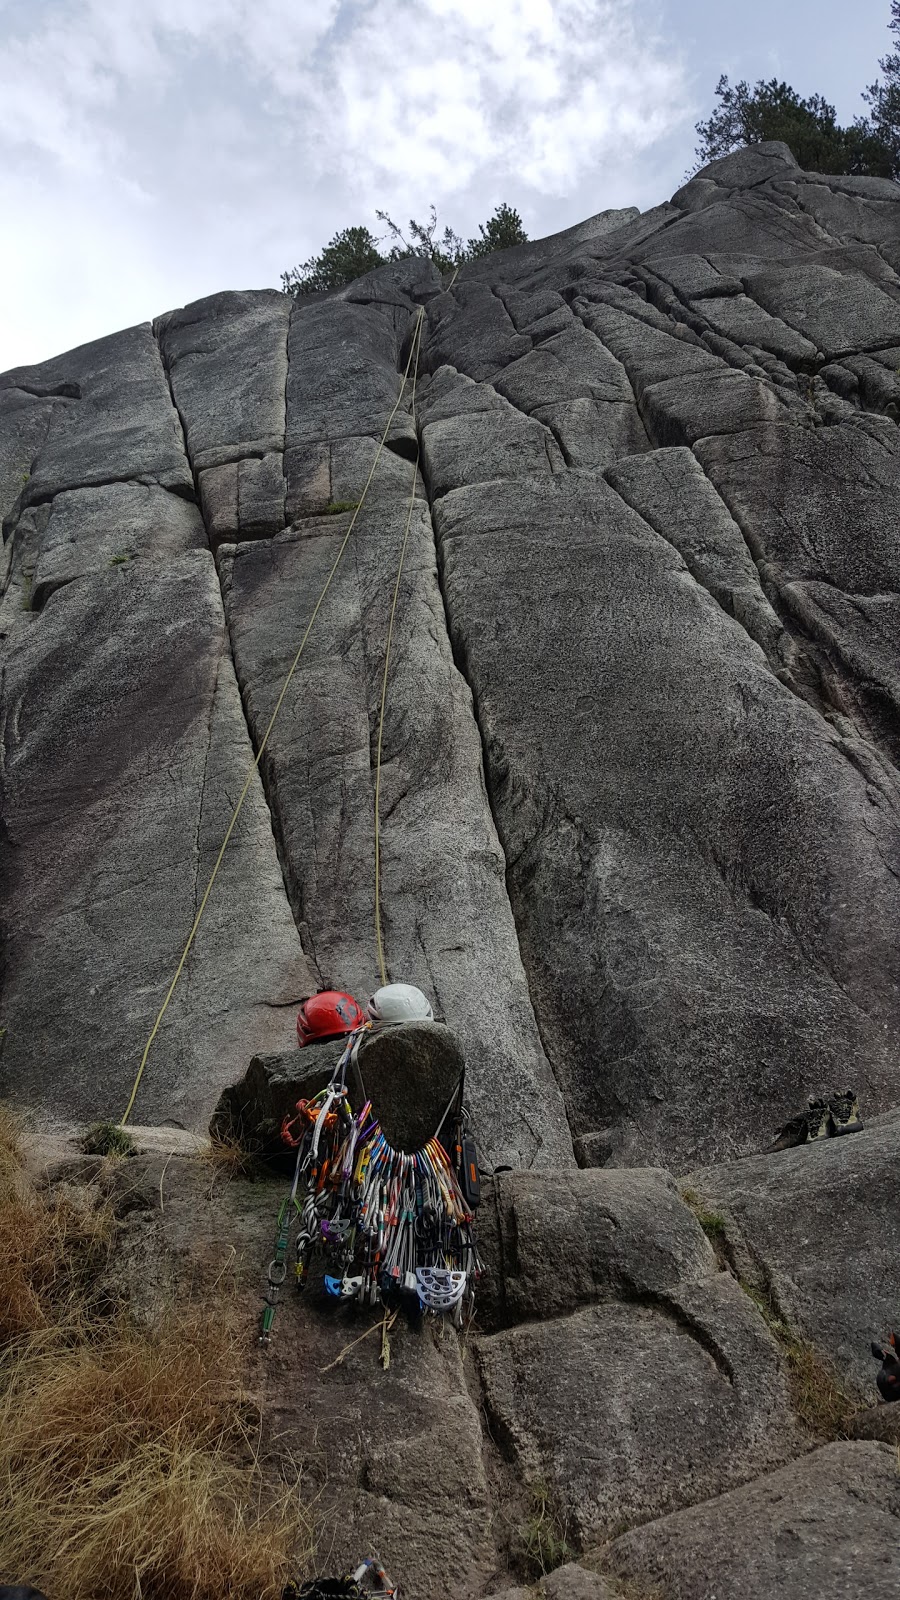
(379, 942)
(414, 349)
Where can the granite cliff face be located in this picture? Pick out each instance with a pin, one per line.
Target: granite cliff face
(641, 824)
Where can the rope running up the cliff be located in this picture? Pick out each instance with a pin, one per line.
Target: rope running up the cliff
(412, 363)
(379, 941)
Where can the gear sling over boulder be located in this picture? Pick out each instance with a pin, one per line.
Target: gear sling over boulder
(394, 1226)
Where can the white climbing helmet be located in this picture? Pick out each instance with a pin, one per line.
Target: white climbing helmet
(399, 1002)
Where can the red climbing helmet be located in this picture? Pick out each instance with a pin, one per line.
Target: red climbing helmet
(328, 1015)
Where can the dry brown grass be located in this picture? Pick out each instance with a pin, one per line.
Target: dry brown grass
(819, 1398)
(228, 1158)
(817, 1395)
(49, 1248)
(127, 1468)
(128, 1465)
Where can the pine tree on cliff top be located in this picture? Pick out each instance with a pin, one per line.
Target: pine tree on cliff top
(809, 128)
(354, 251)
(884, 97)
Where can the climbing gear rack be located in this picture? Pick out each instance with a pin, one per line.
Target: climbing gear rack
(394, 1227)
(368, 1582)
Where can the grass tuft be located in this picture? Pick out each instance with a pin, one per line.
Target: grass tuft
(542, 1538)
(821, 1404)
(108, 1139)
(229, 1158)
(713, 1223)
(334, 506)
(12, 1161)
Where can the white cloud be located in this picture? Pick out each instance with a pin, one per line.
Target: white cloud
(156, 150)
(523, 87)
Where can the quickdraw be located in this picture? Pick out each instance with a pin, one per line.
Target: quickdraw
(394, 1227)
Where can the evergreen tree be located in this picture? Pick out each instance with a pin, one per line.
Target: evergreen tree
(349, 254)
(354, 251)
(809, 128)
(884, 97)
(500, 232)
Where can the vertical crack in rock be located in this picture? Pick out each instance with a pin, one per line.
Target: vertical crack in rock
(198, 844)
(264, 775)
(460, 664)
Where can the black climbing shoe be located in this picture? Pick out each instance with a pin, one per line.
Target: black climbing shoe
(888, 1379)
(818, 1119)
(844, 1113)
(793, 1133)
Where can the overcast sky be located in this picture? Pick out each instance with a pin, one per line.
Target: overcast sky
(153, 151)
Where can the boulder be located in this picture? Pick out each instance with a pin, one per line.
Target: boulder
(623, 1373)
(628, 1410)
(881, 1422)
(770, 160)
(803, 1220)
(410, 1072)
(569, 1582)
(573, 1582)
(253, 1109)
(826, 1525)
(552, 1247)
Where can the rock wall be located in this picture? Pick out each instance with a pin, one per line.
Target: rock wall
(640, 791)
(641, 837)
